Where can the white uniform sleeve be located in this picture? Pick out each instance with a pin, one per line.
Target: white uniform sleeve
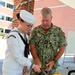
(15, 51)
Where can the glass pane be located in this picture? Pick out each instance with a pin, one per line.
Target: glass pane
(1, 30)
(7, 30)
(8, 19)
(2, 3)
(1, 17)
(9, 6)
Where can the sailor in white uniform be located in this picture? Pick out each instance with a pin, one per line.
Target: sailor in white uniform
(15, 60)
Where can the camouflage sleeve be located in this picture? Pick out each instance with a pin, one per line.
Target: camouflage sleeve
(62, 39)
(32, 36)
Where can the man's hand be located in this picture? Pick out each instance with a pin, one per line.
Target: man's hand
(36, 68)
(25, 70)
(49, 66)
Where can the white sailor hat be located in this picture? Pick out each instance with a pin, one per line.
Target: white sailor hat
(27, 17)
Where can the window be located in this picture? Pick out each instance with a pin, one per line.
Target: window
(8, 19)
(7, 30)
(2, 3)
(1, 17)
(9, 6)
(1, 30)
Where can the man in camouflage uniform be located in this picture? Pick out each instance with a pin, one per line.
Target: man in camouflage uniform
(47, 43)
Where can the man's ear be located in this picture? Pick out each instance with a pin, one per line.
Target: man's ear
(51, 18)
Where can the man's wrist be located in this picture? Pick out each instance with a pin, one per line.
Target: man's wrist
(54, 60)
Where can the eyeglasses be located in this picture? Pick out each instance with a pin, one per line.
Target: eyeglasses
(29, 26)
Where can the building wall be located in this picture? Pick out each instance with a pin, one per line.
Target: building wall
(29, 6)
(63, 15)
(6, 12)
(12, 13)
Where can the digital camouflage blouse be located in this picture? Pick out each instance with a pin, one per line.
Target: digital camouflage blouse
(47, 45)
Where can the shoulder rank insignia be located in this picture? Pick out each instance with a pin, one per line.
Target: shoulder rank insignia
(11, 36)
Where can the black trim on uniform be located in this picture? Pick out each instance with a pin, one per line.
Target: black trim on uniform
(11, 36)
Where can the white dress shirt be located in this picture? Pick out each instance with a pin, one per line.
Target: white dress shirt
(14, 56)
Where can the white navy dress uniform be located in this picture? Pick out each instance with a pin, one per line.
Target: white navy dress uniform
(14, 57)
